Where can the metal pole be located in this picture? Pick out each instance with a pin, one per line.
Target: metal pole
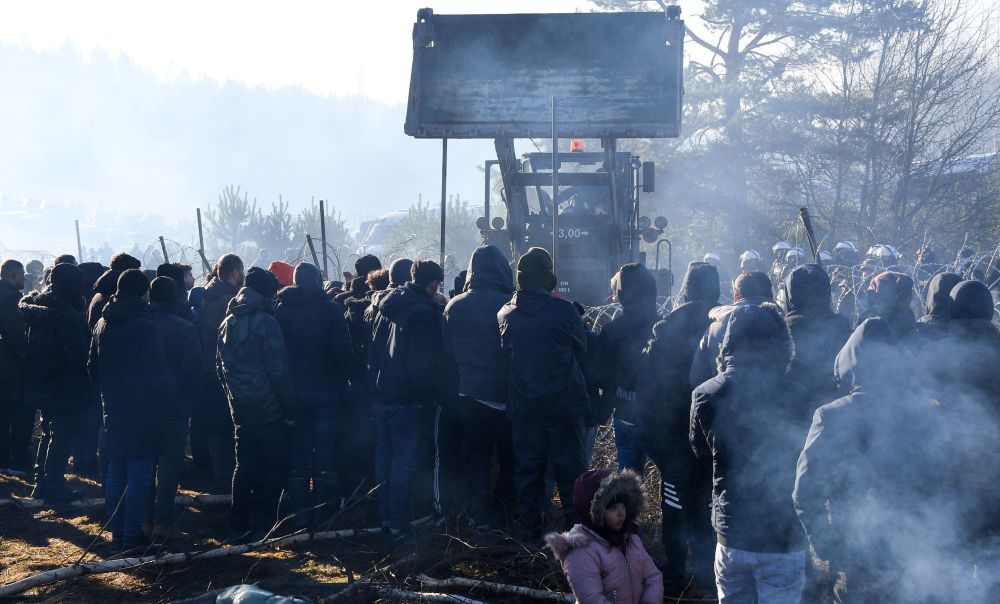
(312, 250)
(486, 196)
(444, 193)
(555, 187)
(163, 248)
(79, 246)
(201, 245)
(322, 234)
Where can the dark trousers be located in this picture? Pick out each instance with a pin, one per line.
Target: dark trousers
(126, 496)
(686, 499)
(312, 449)
(169, 465)
(631, 456)
(485, 431)
(355, 440)
(59, 429)
(535, 445)
(87, 439)
(398, 431)
(448, 474)
(212, 432)
(259, 476)
(17, 421)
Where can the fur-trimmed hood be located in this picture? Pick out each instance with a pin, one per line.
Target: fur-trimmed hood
(624, 486)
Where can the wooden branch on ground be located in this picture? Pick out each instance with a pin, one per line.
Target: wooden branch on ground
(416, 596)
(362, 582)
(108, 566)
(500, 588)
(27, 503)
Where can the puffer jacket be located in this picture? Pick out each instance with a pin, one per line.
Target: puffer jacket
(58, 341)
(472, 334)
(253, 363)
(621, 344)
(183, 353)
(12, 341)
(704, 365)
(934, 325)
(545, 342)
(214, 306)
(317, 339)
(410, 369)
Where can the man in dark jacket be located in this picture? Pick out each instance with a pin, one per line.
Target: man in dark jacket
(818, 332)
(138, 391)
(362, 267)
(407, 377)
(888, 297)
(472, 337)
(319, 348)
(621, 344)
(211, 423)
(182, 350)
(750, 421)
(749, 289)
(254, 369)
(106, 285)
(544, 341)
(56, 374)
(664, 392)
(934, 325)
(16, 420)
(177, 273)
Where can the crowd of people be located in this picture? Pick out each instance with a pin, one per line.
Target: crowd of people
(784, 432)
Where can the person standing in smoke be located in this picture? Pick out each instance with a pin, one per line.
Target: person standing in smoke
(137, 385)
(177, 272)
(664, 396)
(254, 370)
(408, 381)
(363, 266)
(16, 419)
(749, 289)
(55, 374)
(472, 337)
(621, 343)
(818, 332)
(749, 420)
(183, 353)
(319, 347)
(544, 341)
(211, 423)
(934, 325)
(889, 295)
(106, 285)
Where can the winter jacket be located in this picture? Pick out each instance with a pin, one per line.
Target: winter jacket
(361, 336)
(104, 290)
(137, 386)
(888, 297)
(182, 349)
(621, 344)
(818, 332)
(58, 341)
(379, 328)
(934, 325)
(751, 421)
(13, 341)
(316, 338)
(253, 363)
(472, 333)
(704, 364)
(215, 303)
(544, 342)
(409, 368)
(597, 570)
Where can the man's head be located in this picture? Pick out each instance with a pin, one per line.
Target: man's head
(701, 283)
(12, 272)
(400, 271)
(754, 284)
(427, 274)
(757, 336)
(365, 265)
(122, 262)
(262, 282)
(229, 268)
(133, 283)
(534, 270)
(636, 286)
(172, 271)
(65, 259)
(35, 267)
(308, 276)
(283, 272)
(163, 290)
(378, 280)
(67, 282)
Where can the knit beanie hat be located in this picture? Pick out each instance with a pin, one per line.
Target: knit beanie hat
(163, 290)
(133, 283)
(534, 269)
(262, 282)
(282, 271)
(635, 285)
(67, 281)
(701, 282)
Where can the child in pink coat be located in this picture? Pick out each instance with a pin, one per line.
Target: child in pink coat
(603, 557)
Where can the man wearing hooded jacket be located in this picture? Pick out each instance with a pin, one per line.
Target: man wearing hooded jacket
(544, 341)
(472, 337)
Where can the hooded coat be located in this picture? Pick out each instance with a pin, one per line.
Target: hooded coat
(55, 366)
(934, 325)
(472, 333)
(137, 385)
(751, 420)
(253, 363)
(13, 341)
(214, 304)
(817, 332)
(182, 350)
(888, 297)
(545, 343)
(409, 366)
(316, 335)
(703, 365)
(599, 572)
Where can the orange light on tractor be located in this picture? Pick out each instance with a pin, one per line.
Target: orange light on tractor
(576, 145)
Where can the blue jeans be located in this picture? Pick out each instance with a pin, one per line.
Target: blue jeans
(743, 577)
(126, 495)
(312, 436)
(630, 455)
(397, 435)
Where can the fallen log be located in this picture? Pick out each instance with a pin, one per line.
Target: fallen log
(27, 503)
(416, 596)
(500, 588)
(107, 566)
